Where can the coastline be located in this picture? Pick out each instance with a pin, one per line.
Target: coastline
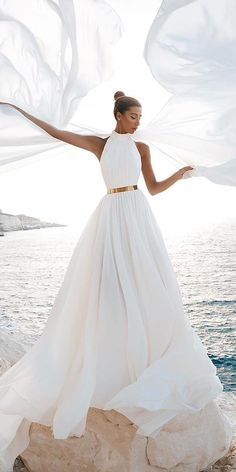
(10, 222)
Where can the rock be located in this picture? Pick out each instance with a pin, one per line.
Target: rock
(10, 350)
(19, 466)
(106, 445)
(4, 365)
(226, 463)
(10, 222)
(187, 443)
(191, 441)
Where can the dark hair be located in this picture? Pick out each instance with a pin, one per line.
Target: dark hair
(124, 103)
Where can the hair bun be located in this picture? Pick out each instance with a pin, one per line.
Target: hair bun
(119, 94)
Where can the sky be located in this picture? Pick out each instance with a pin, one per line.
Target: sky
(66, 188)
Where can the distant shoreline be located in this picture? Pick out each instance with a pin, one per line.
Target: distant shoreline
(9, 222)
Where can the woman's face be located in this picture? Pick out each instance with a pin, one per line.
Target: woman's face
(129, 121)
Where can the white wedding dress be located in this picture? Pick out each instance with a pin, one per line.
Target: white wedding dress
(117, 336)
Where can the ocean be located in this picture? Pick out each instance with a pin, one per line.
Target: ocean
(33, 264)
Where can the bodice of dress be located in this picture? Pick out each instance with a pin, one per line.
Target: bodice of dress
(120, 161)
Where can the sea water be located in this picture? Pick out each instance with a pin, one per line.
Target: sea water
(33, 263)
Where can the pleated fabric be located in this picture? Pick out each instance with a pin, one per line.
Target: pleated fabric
(117, 336)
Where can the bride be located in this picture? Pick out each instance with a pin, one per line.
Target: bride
(127, 113)
(117, 336)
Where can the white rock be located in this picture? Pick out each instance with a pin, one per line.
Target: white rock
(106, 446)
(187, 443)
(4, 365)
(10, 348)
(191, 441)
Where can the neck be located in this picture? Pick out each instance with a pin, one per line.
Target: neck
(119, 131)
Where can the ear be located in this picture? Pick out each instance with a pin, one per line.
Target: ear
(118, 116)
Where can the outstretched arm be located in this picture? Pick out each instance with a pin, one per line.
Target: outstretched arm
(90, 143)
(153, 186)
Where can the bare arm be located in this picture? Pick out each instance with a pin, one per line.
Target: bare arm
(90, 143)
(153, 186)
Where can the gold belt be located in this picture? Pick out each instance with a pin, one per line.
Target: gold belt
(122, 189)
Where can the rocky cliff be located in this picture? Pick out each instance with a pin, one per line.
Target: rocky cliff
(10, 222)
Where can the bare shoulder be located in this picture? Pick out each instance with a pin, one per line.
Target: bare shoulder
(143, 149)
(94, 144)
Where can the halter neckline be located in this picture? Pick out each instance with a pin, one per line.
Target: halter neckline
(114, 133)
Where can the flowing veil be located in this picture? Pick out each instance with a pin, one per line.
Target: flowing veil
(189, 50)
(46, 75)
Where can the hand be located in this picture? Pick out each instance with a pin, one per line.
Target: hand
(181, 172)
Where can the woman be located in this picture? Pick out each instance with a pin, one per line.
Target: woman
(117, 336)
(127, 113)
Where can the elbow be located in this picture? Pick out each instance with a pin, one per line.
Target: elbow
(153, 189)
(55, 132)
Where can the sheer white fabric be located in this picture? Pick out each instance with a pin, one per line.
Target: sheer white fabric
(190, 50)
(51, 54)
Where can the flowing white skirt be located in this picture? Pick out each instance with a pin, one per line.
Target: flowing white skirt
(116, 338)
